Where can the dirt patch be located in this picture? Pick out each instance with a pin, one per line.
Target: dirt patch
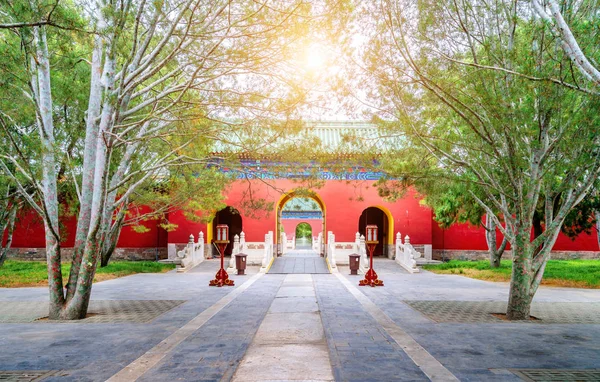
(503, 317)
(46, 319)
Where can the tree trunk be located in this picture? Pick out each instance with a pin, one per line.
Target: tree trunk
(490, 237)
(11, 227)
(42, 89)
(495, 258)
(597, 213)
(89, 159)
(519, 301)
(77, 307)
(110, 243)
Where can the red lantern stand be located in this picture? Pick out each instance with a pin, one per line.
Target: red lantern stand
(371, 242)
(221, 278)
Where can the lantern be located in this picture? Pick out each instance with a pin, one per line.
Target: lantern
(222, 233)
(371, 237)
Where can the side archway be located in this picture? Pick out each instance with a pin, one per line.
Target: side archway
(382, 218)
(233, 219)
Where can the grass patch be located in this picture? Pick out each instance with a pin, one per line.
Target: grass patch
(564, 273)
(16, 273)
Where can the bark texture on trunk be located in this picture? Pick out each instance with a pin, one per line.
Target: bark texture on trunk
(112, 237)
(89, 160)
(490, 236)
(43, 94)
(519, 302)
(597, 213)
(10, 227)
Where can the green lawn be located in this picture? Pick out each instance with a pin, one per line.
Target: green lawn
(568, 273)
(16, 273)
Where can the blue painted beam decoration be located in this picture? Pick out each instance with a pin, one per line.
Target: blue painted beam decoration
(257, 169)
(308, 215)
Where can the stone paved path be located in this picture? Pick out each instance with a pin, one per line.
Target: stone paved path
(290, 342)
(360, 349)
(299, 262)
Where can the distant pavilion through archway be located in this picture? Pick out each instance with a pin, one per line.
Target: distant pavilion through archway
(307, 208)
(304, 236)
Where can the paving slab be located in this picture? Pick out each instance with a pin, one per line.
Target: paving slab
(288, 346)
(293, 291)
(294, 305)
(290, 328)
(290, 362)
(299, 262)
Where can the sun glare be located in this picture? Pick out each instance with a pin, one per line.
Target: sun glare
(314, 58)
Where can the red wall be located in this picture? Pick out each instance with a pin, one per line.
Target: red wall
(468, 237)
(29, 233)
(344, 203)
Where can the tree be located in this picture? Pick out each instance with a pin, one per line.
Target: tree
(552, 13)
(461, 82)
(166, 81)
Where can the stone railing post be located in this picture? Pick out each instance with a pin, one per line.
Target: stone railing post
(242, 242)
(331, 257)
(190, 247)
(200, 247)
(362, 251)
(356, 243)
(320, 240)
(235, 251)
(268, 252)
(399, 248)
(284, 243)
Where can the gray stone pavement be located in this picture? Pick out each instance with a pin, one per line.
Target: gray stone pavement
(290, 343)
(484, 351)
(299, 262)
(359, 347)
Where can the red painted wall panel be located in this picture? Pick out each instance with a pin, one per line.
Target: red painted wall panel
(29, 233)
(185, 227)
(468, 237)
(344, 203)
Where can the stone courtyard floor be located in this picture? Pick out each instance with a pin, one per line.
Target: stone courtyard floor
(321, 327)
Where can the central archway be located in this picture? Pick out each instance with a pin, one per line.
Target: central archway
(299, 194)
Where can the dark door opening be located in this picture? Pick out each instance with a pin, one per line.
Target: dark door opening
(374, 215)
(233, 219)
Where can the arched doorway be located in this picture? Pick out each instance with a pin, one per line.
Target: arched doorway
(378, 217)
(315, 216)
(304, 236)
(233, 219)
